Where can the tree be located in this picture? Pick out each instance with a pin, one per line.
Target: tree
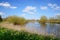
(58, 17)
(16, 20)
(43, 19)
(0, 18)
(52, 20)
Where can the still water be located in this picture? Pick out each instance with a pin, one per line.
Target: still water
(44, 29)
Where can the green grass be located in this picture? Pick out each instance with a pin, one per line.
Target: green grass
(6, 34)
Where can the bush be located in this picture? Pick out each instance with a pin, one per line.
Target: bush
(16, 20)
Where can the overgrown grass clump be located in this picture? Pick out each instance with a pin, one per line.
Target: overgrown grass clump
(6, 34)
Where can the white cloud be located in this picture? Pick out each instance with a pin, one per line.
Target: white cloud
(8, 5)
(54, 6)
(43, 7)
(30, 9)
(13, 7)
(1, 13)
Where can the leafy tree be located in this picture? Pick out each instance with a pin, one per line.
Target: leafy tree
(58, 17)
(0, 18)
(51, 20)
(16, 20)
(43, 19)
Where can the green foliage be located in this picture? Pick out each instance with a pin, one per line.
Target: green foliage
(6, 34)
(52, 20)
(16, 20)
(43, 19)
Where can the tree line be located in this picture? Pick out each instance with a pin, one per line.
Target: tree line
(44, 19)
(21, 21)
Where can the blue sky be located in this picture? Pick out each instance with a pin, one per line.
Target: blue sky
(30, 9)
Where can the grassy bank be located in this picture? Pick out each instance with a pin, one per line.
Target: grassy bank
(6, 34)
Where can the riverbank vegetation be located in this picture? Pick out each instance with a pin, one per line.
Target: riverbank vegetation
(15, 20)
(21, 21)
(6, 34)
(43, 20)
(54, 20)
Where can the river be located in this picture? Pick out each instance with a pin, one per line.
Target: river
(45, 29)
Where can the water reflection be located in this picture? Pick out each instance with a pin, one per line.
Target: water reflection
(51, 28)
(44, 29)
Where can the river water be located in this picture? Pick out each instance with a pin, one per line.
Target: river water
(44, 29)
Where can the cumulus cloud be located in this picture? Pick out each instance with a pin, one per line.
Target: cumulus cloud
(43, 7)
(8, 5)
(30, 9)
(54, 6)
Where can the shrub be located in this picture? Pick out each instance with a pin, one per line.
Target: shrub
(16, 20)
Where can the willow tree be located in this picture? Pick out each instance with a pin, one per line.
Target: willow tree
(43, 19)
(16, 20)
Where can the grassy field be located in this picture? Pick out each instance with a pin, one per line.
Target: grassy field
(7, 34)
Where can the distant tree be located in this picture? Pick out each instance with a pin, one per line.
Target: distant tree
(52, 20)
(43, 19)
(0, 18)
(58, 17)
